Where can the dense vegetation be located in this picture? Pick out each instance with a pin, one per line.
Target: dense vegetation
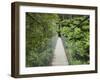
(42, 33)
(41, 38)
(75, 35)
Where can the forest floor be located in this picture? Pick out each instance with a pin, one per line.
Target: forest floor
(59, 58)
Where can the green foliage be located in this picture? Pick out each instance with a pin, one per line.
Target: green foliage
(40, 33)
(41, 37)
(75, 34)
